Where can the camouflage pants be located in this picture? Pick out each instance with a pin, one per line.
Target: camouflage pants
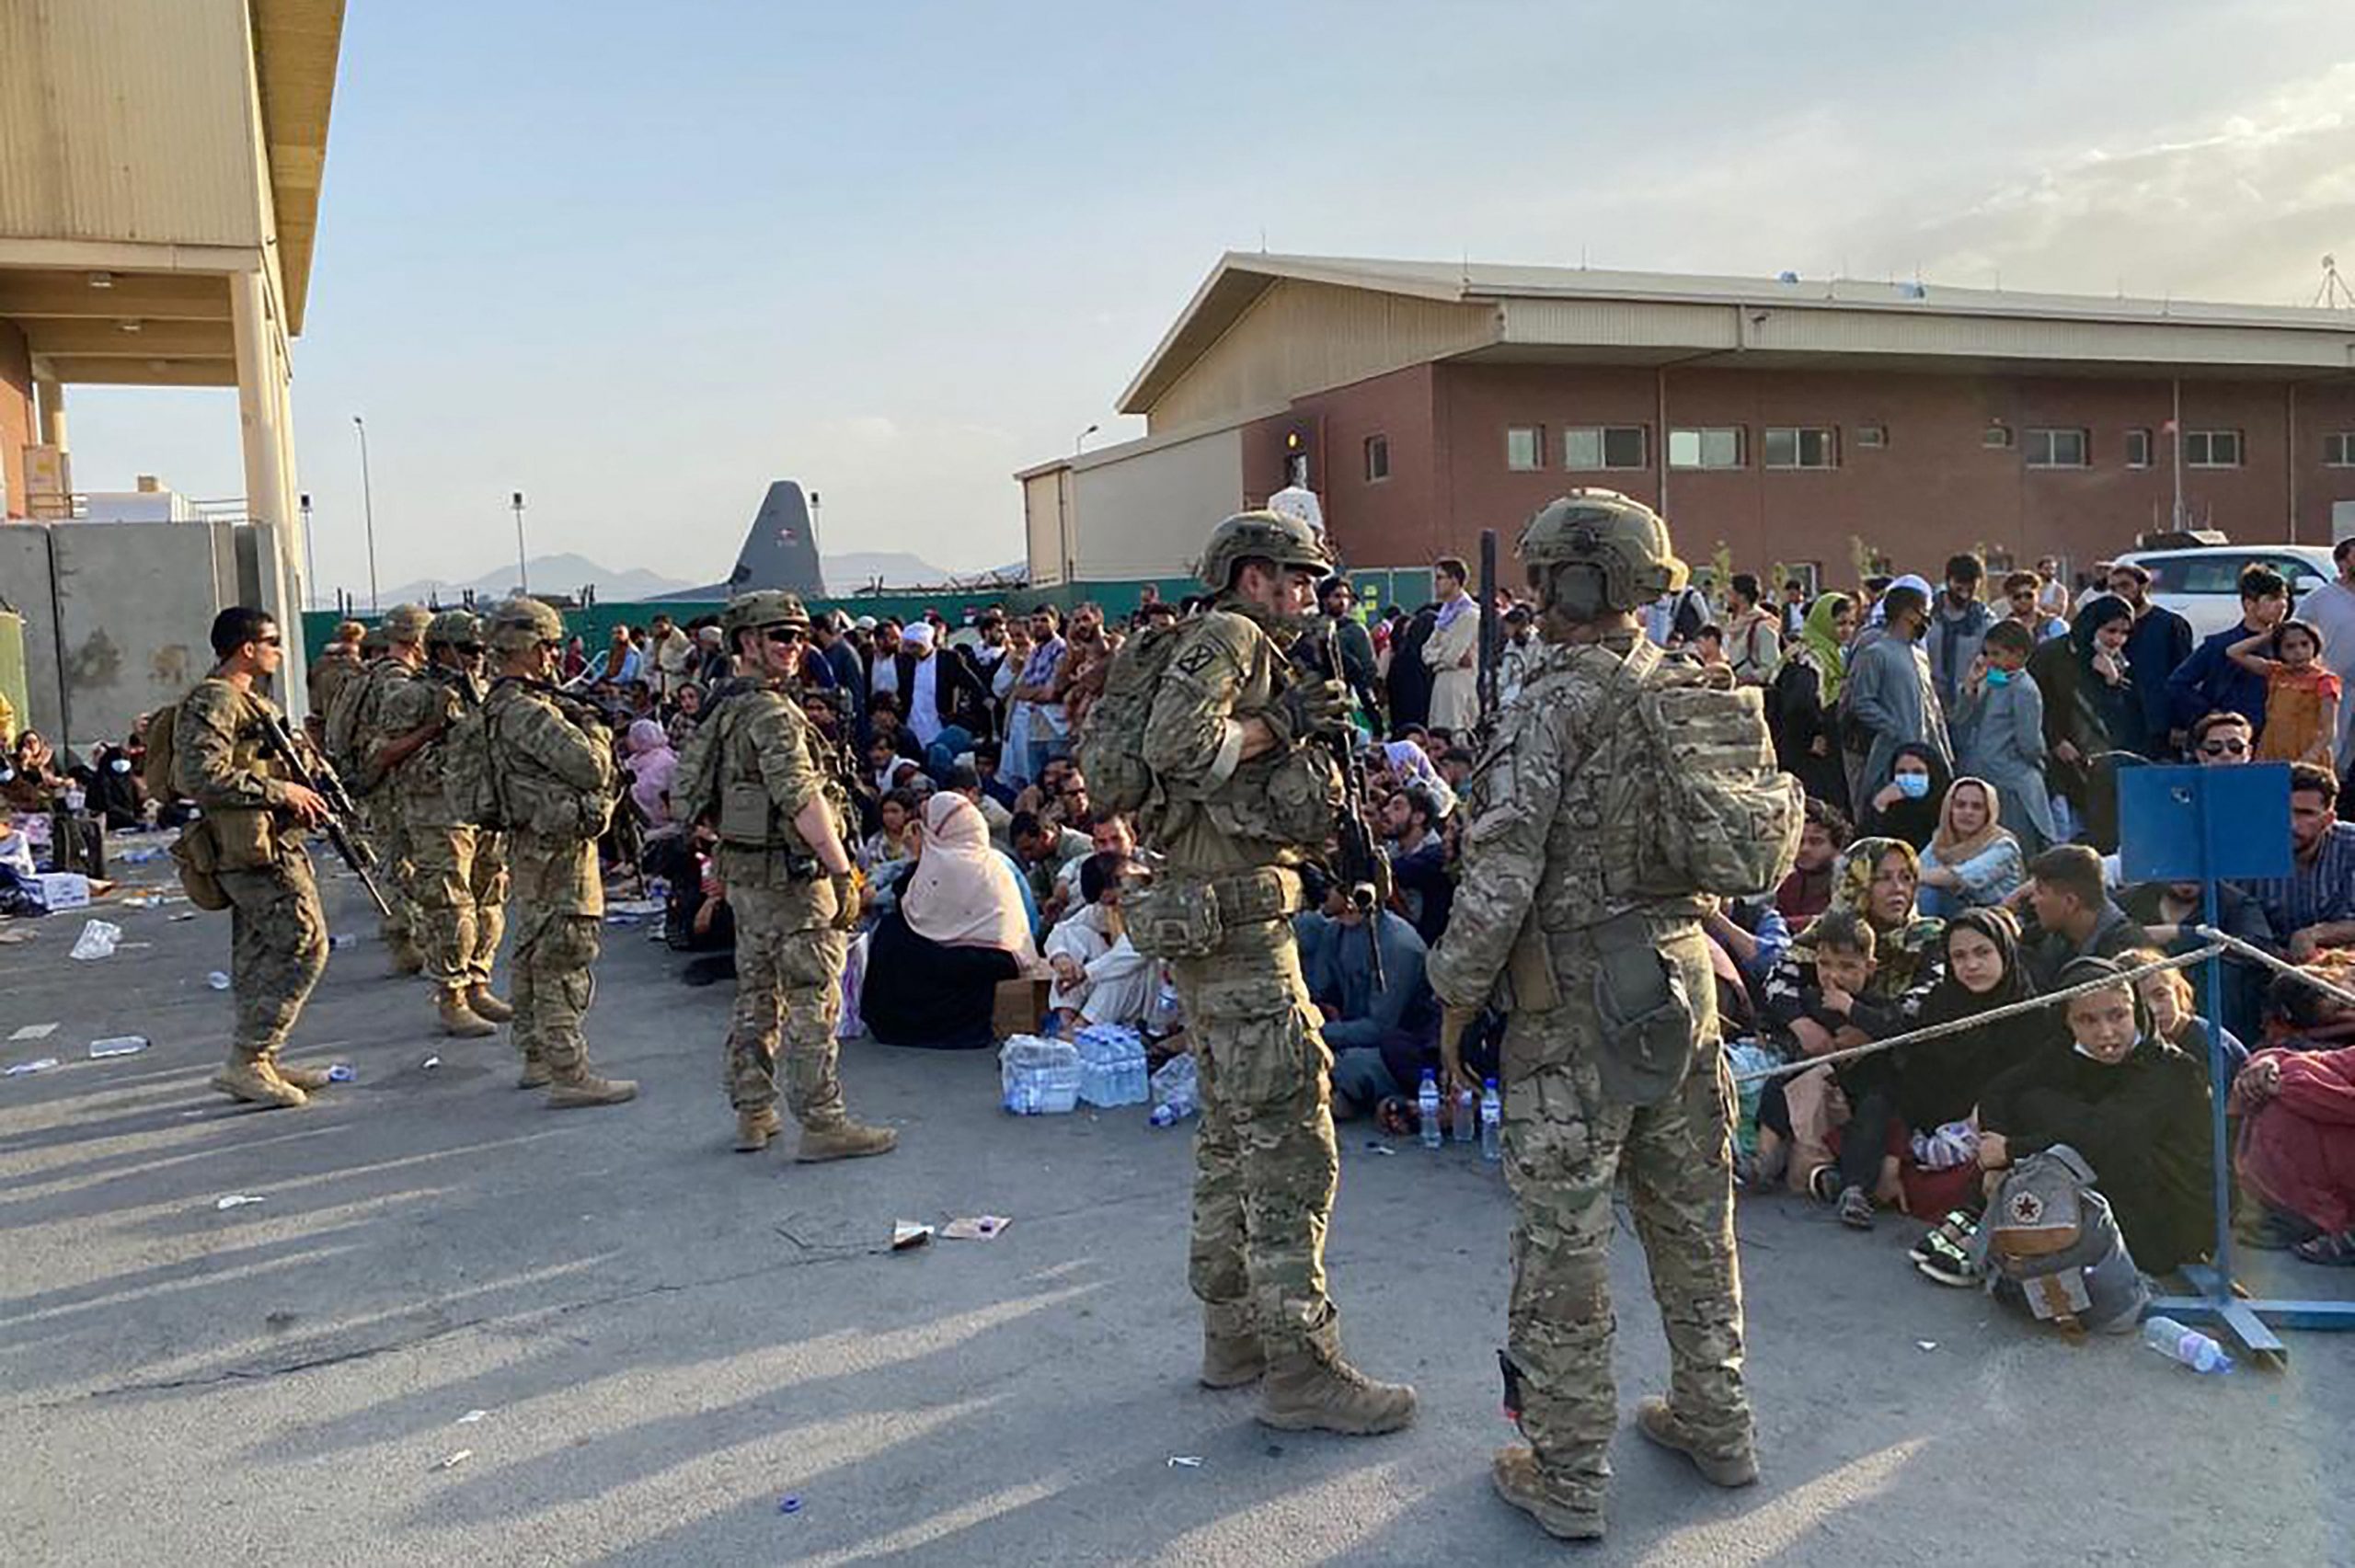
(558, 919)
(788, 978)
(395, 873)
(1265, 1163)
(1566, 1146)
(277, 950)
(460, 900)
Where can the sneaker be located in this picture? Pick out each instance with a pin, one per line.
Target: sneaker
(1956, 1228)
(1950, 1263)
(1856, 1208)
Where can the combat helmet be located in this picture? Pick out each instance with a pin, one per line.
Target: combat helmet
(453, 628)
(761, 608)
(406, 623)
(1261, 536)
(518, 623)
(1593, 552)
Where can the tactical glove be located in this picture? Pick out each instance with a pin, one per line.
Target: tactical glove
(1313, 708)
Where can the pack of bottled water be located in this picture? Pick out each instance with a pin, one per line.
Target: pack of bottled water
(1177, 1092)
(1111, 1065)
(1038, 1077)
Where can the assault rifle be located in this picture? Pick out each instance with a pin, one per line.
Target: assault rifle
(1364, 873)
(313, 774)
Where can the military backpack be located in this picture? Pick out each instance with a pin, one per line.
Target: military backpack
(1697, 791)
(469, 770)
(1111, 738)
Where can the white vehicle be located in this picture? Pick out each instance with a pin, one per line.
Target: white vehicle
(2203, 583)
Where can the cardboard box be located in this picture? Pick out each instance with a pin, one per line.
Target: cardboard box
(1020, 1005)
(58, 890)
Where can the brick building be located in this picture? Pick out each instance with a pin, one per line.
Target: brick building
(1794, 422)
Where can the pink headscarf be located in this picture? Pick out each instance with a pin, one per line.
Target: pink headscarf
(961, 894)
(652, 765)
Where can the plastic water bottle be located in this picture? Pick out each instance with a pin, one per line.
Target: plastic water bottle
(2189, 1345)
(1426, 1104)
(1177, 1092)
(1467, 1115)
(1492, 1123)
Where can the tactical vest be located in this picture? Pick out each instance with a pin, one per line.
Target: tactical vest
(230, 838)
(530, 797)
(746, 814)
(1283, 801)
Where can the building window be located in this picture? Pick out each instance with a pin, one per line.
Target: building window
(2059, 449)
(1872, 437)
(2338, 450)
(2211, 449)
(1718, 448)
(1525, 446)
(1996, 438)
(1603, 446)
(2138, 449)
(1377, 459)
(1802, 448)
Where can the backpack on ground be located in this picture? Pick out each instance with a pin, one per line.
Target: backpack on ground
(2055, 1249)
(1710, 810)
(1111, 738)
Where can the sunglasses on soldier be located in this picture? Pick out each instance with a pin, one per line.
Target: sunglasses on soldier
(784, 636)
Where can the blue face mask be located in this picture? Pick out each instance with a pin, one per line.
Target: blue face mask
(1999, 678)
(1914, 786)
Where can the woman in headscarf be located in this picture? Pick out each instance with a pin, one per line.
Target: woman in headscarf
(1409, 763)
(1971, 861)
(2133, 1104)
(1939, 1082)
(1804, 700)
(934, 962)
(2090, 703)
(652, 765)
(1909, 805)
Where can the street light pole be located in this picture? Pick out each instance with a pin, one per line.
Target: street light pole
(1081, 440)
(367, 509)
(522, 573)
(310, 561)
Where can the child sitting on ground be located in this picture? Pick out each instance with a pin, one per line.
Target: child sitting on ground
(1833, 984)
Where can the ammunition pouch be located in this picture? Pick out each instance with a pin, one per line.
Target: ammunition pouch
(1644, 1013)
(1169, 919)
(197, 857)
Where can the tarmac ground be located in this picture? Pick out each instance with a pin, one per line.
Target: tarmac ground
(461, 1328)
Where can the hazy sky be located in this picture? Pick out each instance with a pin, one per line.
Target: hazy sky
(638, 261)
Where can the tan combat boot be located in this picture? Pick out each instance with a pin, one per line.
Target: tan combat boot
(535, 1074)
(305, 1077)
(485, 1005)
(1308, 1392)
(844, 1139)
(585, 1088)
(257, 1083)
(1514, 1471)
(1657, 1422)
(754, 1128)
(460, 1020)
(1232, 1354)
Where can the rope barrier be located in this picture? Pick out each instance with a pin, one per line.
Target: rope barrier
(2235, 945)
(2217, 945)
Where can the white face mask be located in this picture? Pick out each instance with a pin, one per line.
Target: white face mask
(120, 764)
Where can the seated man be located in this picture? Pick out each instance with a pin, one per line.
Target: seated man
(1042, 850)
(1382, 1037)
(1807, 891)
(1411, 821)
(1099, 976)
(2072, 916)
(989, 762)
(2314, 907)
(1107, 834)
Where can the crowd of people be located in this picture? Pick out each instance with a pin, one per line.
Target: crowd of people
(1958, 745)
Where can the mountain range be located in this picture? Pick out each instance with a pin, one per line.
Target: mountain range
(569, 573)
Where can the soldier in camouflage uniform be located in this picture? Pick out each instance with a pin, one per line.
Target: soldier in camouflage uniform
(553, 764)
(336, 663)
(1532, 907)
(1241, 793)
(249, 841)
(780, 818)
(357, 734)
(458, 884)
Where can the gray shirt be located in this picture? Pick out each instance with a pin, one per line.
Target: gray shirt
(1891, 696)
